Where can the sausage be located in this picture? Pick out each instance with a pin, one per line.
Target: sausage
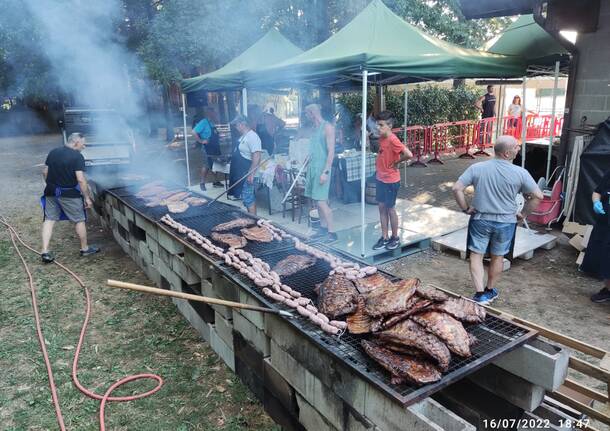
(329, 328)
(291, 303)
(315, 319)
(338, 324)
(303, 311)
(295, 294)
(312, 308)
(323, 317)
(302, 301)
(370, 270)
(286, 295)
(332, 272)
(339, 270)
(362, 274)
(276, 297)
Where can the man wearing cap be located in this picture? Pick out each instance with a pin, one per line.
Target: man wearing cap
(66, 195)
(245, 159)
(321, 154)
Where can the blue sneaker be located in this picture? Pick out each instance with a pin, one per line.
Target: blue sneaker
(481, 297)
(491, 294)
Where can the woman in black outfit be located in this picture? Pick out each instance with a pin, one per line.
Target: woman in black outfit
(597, 257)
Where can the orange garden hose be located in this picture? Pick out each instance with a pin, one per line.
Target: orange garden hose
(102, 398)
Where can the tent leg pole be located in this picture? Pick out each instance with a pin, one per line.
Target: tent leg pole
(186, 145)
(404, 134)
(365, 76)
(523, 124)
(244, 101)
(552, 137)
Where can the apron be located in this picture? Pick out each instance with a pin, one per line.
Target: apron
(58, 192)
(239, 167)
(597, 256)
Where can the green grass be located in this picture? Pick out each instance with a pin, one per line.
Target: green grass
(128, 334)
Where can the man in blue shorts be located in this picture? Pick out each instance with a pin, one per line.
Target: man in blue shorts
(494, 212)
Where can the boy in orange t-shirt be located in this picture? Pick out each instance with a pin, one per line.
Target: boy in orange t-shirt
(392, 152)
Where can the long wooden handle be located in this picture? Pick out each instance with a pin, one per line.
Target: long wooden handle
(188, 296)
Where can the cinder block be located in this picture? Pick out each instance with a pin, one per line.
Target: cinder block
(149, 227)
(169, 243)
(224, 351)
(350, 387)
(152, 244)
(538, 362)
(153, 275)
(251, 333)
(129, 213)
(183, 271)
(224, 328)
(120, 218)
(145, 252)
(255, 317)
(166, 272)
(208, 290)
(288, 421)
(225, 288)
(506, 385)
(202, 328)
(318, 395)
(165, 256)
(445, 419)
(194, 261)
(310, 418)
(279, 387)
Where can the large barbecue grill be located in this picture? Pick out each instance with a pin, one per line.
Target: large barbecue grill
(495, 335)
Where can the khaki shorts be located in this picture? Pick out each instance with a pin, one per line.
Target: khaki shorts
(73, 208)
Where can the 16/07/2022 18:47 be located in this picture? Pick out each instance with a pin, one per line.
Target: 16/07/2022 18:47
(532, 423)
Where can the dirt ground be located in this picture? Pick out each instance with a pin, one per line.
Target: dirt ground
(132, 333)
(128, 333)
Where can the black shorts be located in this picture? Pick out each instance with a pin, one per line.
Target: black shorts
(386, 193)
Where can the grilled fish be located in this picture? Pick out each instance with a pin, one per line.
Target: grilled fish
(410, 334)
(462, 309)
(231, 240)
(294, 263)
(338, 296)
(233, 224)
(391, 299)
(447, 329)
(410, 368)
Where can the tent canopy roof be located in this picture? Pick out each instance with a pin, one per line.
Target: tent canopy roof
(527, 39)
(380, 41)
(270, 49)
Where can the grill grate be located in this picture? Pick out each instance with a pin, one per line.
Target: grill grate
(125, 194)
(495, 336)
(204, 224)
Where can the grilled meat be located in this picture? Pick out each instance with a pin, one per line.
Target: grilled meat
(152, 191)
(359, 322)
(234, 241)
(447, 329)
(431, 293)
(338, 296)
(462, 309)
(293, 264)
(413, 369)
(409, 334)
(257, 233)
(391, 299)
(405, 350)
(176, 197)
(194, 201)
(366, 284)
(416, 304)
(234, 224)
(177, 207)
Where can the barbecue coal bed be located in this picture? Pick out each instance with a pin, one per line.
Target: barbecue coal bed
(496, 336)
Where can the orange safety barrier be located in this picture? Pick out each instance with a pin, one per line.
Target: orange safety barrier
(483, 136)
(440, 140)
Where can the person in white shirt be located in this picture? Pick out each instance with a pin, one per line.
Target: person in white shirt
(246, 157)
(515, 109)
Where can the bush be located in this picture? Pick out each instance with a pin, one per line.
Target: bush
(427, 104)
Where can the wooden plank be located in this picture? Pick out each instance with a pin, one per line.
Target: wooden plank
(576, 242)
(589, 411)
(574, 228)
(580, 258)
(589, 370)
(587, 235)
(591, 393)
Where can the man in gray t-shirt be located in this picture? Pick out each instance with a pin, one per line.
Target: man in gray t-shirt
(494, 211)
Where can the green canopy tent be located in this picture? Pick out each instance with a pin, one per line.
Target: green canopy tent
(377, 42)
(272, 48)
(525, 38)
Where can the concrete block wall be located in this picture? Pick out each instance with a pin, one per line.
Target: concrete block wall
(592, 87)
(300, 385)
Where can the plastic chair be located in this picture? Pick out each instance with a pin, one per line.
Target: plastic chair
(550, 207)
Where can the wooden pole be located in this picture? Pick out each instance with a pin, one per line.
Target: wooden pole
(190, 297)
